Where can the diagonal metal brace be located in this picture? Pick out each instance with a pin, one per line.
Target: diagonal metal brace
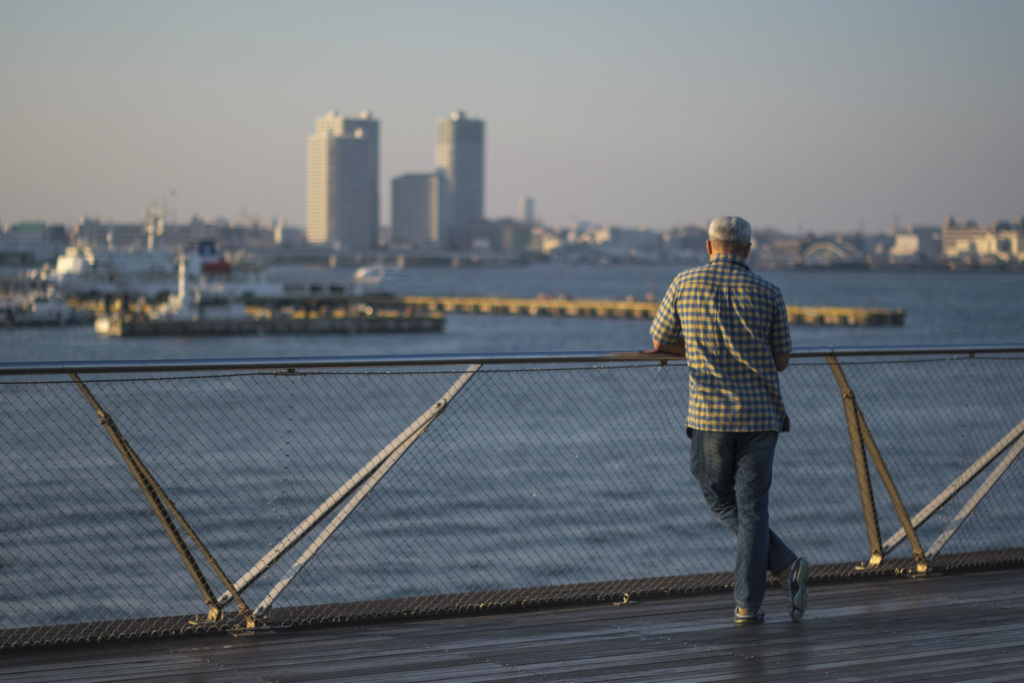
(354, 491)
(168, 514)
(1014, 435)
(993, 478)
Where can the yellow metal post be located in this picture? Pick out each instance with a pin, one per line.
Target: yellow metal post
(168, 515)
(867, 498)
(894, 496)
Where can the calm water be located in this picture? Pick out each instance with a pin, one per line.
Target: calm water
(574, 475)
(942, 308)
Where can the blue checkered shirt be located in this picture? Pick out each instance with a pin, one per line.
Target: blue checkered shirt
(732, 322)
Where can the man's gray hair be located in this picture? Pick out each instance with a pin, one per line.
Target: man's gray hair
(731, 230)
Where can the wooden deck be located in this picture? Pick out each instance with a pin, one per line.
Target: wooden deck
(954, 627)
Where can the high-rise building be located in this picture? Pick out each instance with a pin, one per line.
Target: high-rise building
(459, 152)
(419, 209)
(342, 181)
(526, 210)
(368, 128)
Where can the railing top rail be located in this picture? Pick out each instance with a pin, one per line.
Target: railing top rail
(325, 362)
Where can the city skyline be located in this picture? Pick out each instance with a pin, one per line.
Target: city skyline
(805, 116)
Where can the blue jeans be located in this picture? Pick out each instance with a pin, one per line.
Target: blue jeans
(734, 470)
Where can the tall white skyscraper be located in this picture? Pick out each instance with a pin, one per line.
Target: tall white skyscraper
(342, 181)
(459, 152)
(419, 209)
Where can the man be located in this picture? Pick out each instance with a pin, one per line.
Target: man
(732, 327)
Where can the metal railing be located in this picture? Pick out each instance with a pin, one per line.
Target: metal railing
(171, 497)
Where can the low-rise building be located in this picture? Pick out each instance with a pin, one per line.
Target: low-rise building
(973, 244)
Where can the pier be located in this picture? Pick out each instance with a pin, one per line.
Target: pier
(538, 306)
(844, 316)
(632, 309)
(295, 315)
(952, 627)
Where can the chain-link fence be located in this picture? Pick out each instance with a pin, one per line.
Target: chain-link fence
(148, 503)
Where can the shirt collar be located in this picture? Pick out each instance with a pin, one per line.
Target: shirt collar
(730, 258)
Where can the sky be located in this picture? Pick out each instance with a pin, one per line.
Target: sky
(806, 116)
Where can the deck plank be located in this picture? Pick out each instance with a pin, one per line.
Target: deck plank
(951, 627)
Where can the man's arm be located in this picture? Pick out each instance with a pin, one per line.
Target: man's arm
(678, 348)
(666, 325)
(780, 338)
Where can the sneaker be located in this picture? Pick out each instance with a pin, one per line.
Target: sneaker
(746, 619)
(796, 588)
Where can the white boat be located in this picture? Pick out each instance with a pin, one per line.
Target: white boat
(154, 273)
(368, 279)
(203, 270)
(83, 270)
(46, 307)
(369, 275)
(207, 288)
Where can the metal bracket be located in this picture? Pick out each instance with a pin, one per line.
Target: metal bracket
(1012, 444)
(353, 491)
(169, 516)
(862, 443)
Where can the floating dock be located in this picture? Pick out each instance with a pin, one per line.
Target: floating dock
(631, 309)
(585, 308)
(116, 326)
(844, 316)
(426, 314)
